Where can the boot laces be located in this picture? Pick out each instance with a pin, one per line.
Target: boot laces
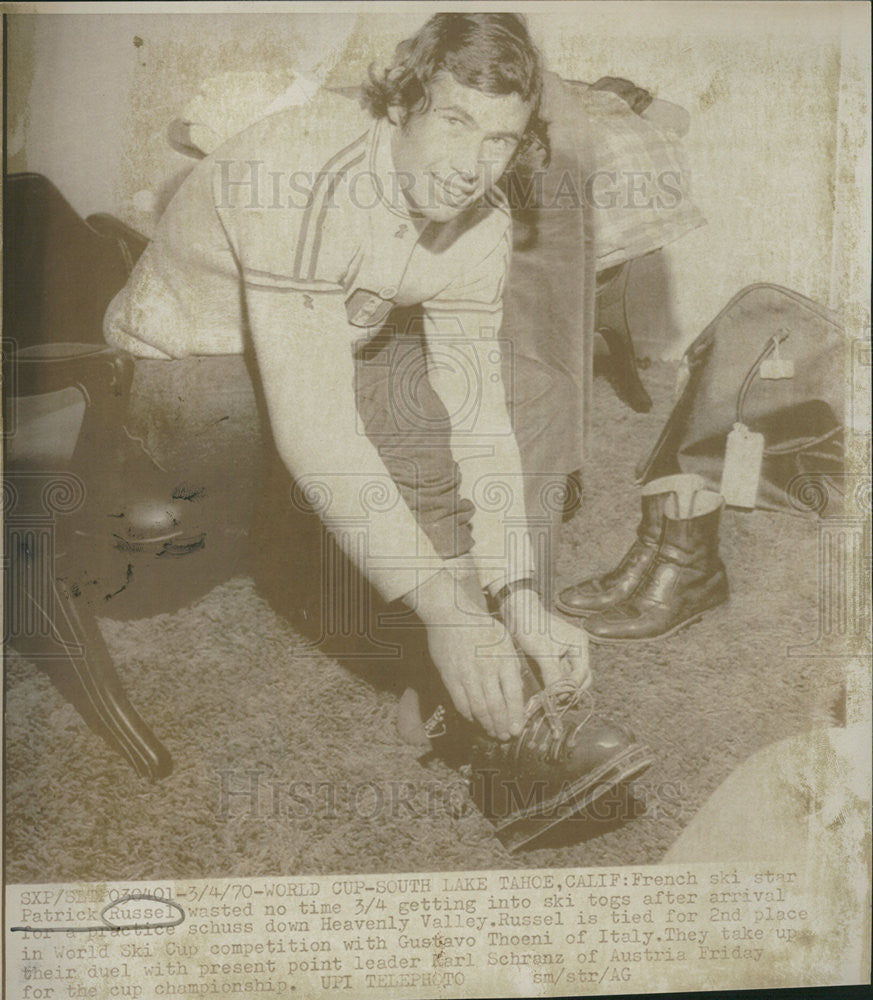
(546, 725)
(435, 726)
(549, 705)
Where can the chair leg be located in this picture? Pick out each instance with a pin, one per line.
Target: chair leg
(96, 689)
(101, 685)
(612, 324)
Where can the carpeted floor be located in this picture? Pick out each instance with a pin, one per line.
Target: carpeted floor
(287, 761)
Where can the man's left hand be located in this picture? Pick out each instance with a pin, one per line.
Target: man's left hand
(559, 649)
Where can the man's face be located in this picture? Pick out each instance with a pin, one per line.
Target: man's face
(450, 155)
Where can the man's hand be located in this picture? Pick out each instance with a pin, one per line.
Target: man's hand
(474, 654)
(558, 648)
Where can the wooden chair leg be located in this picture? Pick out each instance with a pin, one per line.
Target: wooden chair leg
(101, 687)
(67, 635)
(612, 324)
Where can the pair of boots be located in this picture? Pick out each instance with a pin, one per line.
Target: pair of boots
(670, 575)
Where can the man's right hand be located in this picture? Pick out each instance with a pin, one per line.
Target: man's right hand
(474, 654)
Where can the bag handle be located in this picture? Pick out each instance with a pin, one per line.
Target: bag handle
(786, 449)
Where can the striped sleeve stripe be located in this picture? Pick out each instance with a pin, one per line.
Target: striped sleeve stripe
(255, 278)
(460, 305)
(325, 204)
(309, 242)
(319, 288)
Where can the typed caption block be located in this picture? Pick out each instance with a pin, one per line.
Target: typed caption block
(518, 933)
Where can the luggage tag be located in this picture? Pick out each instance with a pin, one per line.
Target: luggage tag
(742, 467)
(776, 367)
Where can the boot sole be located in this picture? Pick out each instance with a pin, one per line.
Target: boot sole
(691, 620)
(526, 826)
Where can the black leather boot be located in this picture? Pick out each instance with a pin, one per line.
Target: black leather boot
(564, 759)
(600, 592)
(685, 578)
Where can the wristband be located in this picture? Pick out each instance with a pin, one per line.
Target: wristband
(508, 589)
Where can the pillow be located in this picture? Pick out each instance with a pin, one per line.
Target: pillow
(230, 102)
(640, 186)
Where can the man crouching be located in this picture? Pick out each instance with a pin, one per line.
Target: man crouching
(299, 238)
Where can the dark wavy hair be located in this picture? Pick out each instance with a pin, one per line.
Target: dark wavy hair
(489, 52)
